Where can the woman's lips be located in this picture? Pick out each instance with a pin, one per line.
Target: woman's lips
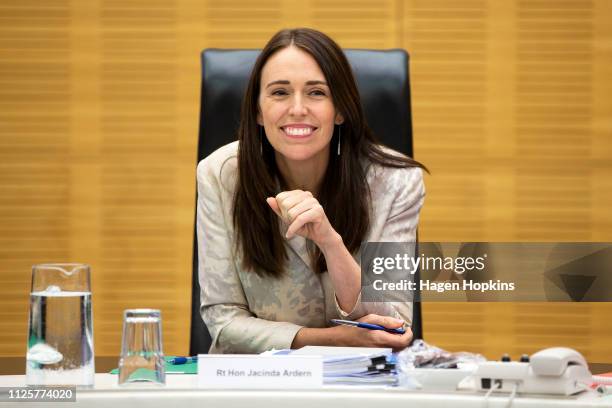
(298, 132)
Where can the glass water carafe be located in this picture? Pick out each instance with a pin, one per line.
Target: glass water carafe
(60, 333)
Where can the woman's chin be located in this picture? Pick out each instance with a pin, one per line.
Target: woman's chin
(300, 153)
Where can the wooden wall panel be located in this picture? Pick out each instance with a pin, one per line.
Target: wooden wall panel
(448, 45)
(138, 176)
(99, 105)
(35, 109)
(553, 120)
(525, 167)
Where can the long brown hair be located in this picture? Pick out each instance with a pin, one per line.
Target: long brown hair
(344, 193)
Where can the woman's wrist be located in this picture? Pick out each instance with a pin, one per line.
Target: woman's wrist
(307, 336)
(343, 270)
(332, 242)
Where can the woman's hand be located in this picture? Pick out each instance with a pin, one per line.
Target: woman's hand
(304, 216)
(379, 338)
(356, 336)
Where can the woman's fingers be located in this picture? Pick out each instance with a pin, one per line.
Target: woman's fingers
(296, 209)
(301, 207)
(274, 205)
(290, 204)
(384, 339)
(311, 215)
(353, 336)
(408, 335)
(404, 340)
(288, 200)
(396, 341)
(385, 321)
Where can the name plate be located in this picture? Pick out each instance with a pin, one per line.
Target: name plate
(217, 371)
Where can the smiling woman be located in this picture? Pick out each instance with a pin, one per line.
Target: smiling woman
(283, 211)
(298, 114)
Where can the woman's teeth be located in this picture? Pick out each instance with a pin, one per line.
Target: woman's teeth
(298, 131)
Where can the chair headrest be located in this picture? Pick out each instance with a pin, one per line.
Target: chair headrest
(382, 78)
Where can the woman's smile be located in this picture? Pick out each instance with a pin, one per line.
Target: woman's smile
(298, 130)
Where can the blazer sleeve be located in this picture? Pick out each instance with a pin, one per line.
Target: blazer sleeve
(224, 307)
(405, 192)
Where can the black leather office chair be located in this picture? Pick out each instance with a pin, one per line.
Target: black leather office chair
(383, 82)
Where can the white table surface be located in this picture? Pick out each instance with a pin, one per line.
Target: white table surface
(181, 392)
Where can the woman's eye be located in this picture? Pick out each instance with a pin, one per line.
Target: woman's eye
(317, 92)
(279, 92)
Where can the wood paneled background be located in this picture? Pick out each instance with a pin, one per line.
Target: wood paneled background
(99, 104)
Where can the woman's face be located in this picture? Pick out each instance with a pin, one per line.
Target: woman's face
(295, 106)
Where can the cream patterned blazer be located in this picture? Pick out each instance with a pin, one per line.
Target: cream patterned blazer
(246, 313)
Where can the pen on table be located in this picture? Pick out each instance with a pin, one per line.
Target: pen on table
(368, 326)
(183, 360)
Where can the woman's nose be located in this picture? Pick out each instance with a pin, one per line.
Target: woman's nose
(297, 108)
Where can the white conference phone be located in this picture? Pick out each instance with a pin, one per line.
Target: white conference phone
(557, 370)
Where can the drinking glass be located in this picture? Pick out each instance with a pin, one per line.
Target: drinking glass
(60, 333)
(142, 357)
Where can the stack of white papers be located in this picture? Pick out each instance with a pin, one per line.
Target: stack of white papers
(354, 365)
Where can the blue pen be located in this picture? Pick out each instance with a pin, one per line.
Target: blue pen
(368, 326)
(183, 360)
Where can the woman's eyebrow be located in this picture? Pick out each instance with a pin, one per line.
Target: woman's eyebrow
(316, 83)
(280, 81)
(285, 82)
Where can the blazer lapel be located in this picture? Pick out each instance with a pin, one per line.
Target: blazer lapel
(297, 244)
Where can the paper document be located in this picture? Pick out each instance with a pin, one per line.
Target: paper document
(355, 365)
(343, 352)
